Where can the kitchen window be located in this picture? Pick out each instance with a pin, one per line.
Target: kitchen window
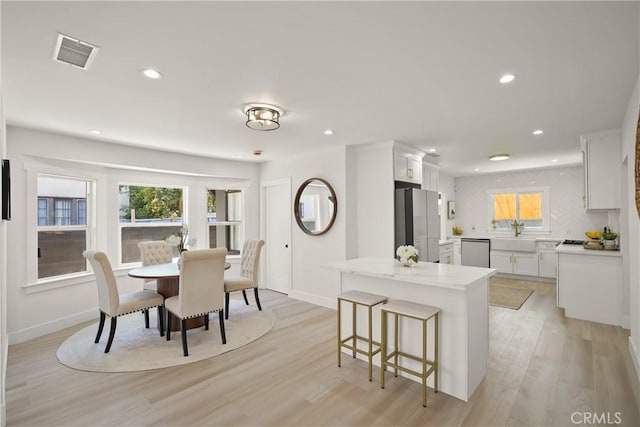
(147, 213)
(527, 206)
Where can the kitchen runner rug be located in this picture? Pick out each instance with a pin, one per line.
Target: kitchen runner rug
(507, 296)
(136, 348)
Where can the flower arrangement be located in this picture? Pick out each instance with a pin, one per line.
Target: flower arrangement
(181, 240)
(407, 255)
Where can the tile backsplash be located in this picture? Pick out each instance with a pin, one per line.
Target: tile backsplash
(568, 217)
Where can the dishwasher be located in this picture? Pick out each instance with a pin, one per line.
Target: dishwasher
(475, 252)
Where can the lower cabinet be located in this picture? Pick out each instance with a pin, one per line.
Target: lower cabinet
(547, 263)
(457, 252)
(446, 253)
(525, 263)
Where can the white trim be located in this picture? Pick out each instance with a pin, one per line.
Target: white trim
(45, 328)
(546, 197)
(58, 282)
(524, 277)
(313, 299)
(626, 322)
(263, 226)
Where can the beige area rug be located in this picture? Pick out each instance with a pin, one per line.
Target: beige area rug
(507, 296)
(136, 348)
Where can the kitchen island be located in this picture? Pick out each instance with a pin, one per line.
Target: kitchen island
(460, 292)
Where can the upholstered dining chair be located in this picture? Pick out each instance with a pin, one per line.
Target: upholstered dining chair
(248, 278)
(154, 252)
(114, 304)
(200, 291)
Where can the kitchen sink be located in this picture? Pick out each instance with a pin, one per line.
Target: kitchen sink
(513, 244)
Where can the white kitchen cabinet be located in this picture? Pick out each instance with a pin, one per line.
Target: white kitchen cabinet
(446, 253)
(602, 165)
(408, 165)
(590, 286)
(524, 263)
(430, 176)
(457, 252)
(547, 259)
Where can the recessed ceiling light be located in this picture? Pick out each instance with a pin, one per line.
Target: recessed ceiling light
(554, 160)
(95, 131)
(499, 157)
(507, 78)
(432, 150)
(328, 132)
(239, 156)
(476, 169)
(151, 73)
(538, 132)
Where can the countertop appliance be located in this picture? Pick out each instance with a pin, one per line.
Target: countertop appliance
(417, 222)
(475, 252)
(573, 242)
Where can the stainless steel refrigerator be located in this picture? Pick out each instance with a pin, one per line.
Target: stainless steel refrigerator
(417, 222)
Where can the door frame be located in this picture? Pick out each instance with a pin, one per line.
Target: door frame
(263, 223)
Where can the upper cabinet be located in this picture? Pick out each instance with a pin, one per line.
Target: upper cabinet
(408, 164)
(430, 176)
(602, 164)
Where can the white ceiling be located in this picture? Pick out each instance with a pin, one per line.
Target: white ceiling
(423, 73)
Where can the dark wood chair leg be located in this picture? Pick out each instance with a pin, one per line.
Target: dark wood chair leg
(161, 319)
(206, 322)
(226, 305)
(222, 333)
(168, 324)
(255, 292)
(100, 326)
(183, 332)
(112, 332)
(146, 318)
(244, 294)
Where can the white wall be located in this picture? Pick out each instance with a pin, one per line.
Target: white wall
(630, 239)
(568, 218)
(310, 282)
(446, 186)
(32, 314)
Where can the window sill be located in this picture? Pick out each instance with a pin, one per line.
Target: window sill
(58, 282)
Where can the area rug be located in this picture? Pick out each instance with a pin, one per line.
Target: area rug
(507, 296)
(136, 348)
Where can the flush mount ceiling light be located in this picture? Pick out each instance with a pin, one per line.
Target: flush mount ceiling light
(499, 157)
(151, 73)
(263, 116)
(507, 78)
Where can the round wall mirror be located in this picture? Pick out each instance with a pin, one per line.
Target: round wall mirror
(315, 206)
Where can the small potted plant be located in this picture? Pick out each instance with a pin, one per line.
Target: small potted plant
(609, 240)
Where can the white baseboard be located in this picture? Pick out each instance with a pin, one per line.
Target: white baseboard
(3, 415)
(313, 299)
(634, 357)
(32, 332)
(529, 278)
(626, 322)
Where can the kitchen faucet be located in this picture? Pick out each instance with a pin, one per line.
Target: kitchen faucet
(517, 226)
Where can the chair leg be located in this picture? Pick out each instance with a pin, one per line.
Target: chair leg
(161, 319)
(206, 322)
(226, 305)
(168, 324)
(100, 326)
(183, 332)
(112, 332)
(244, 294)
(146, 318)
(255, 292)
(222, 333)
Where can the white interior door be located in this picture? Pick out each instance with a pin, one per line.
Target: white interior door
(277, 234)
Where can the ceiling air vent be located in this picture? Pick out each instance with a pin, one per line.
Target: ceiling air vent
(74, 52)
(433, 158)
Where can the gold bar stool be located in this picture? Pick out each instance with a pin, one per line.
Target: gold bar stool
(419, 312)
(368, 300)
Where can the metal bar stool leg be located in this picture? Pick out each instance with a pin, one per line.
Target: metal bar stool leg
(424, 363)
(435, 355)
(370, 344)
(339, 335)
(354, 327)
(383, 347)
(395, 346)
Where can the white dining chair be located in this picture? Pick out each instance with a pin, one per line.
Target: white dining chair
(248, 278)
(113, 304)
(152, 253)
(201, 291)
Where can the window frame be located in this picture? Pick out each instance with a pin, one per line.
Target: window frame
(545, 228)
(33, 283)
(185, 195)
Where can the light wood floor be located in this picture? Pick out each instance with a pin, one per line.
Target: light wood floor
(542, 368)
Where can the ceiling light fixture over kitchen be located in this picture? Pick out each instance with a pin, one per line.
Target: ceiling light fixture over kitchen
(151, 73)
(538, 132)
(499, 157)
(263, 116)
(328, 132)
(507, 78)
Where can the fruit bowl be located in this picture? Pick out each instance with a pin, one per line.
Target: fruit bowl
(593, 234)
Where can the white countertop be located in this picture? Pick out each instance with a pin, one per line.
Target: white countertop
(433, 274)
(579, 250)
